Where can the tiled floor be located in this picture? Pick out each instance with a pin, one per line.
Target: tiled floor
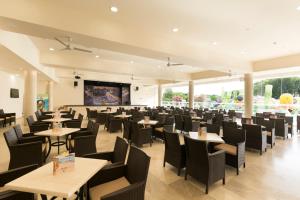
(273, 176)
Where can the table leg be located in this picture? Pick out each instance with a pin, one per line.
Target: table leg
(58, 145)
(49, 150)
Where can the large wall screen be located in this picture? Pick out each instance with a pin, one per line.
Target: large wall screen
(98, 93)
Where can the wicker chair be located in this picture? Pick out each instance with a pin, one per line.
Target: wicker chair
(101, 118)
(270, 131)
(213, 128)
(8, 118)
(189, 124)
(255, 137)
(40, 117)
(83, 142)
(127, 130)
(10, 175)
(22, 153)
(178, 122)
(35, 126)
(139, 135)
(234, 147)
(281, 128)
(115, 124)
(204, 166)
(174, 151)
(122, 181)
(290, 122)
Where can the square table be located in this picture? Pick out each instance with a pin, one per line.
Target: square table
(150, 122)
(57, 120)
(56, 133)
(207, 137)
(163, 113)
(123, 116)
(64, 185)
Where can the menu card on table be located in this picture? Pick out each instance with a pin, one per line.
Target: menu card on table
(63, 163)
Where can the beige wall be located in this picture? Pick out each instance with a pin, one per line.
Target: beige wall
(7, 81)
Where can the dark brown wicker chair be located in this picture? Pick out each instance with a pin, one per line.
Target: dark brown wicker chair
(128, 181)
(174, 151)
(101, 118)
(40, 117)
(117, 156)
(189, 124)
(281, 128)
(255, 137)
(10, 175)
(83, 138)
(22, 154)
(229, 124)
(270, 131)
(139, 135)
(234, 147)
(204, 166)
(178, 122)
(290, 121)
(127, 130)
(35, 126)
(115, 124)
(8, 118)
(213, 128)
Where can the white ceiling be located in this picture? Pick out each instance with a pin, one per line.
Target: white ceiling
(212, 34)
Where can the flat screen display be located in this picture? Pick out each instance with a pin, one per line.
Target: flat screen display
(14, 93)
(106, 93)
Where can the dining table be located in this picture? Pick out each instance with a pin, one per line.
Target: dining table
(58, 133)
(65, 185)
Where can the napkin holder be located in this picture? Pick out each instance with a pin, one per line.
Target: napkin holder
(63, 163)
(146, 118)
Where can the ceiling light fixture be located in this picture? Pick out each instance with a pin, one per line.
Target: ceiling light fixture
(131, 62)
(298, 8)
(97, 56)
(114, 9)
(51, 49)
(175, 30)
(214, 43)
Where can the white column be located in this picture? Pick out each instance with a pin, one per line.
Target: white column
(50, 94)
(30, 93)
(159, 90)
(248, 97)
(191, 94)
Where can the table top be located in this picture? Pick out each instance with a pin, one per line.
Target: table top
(163, 113)
(109, 112)
(57, 132)
(64, 185)
(123, 116)
(150, 122)
(196, 117)
(208, 137)
(57, 120)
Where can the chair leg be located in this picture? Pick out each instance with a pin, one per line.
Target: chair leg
(237, 171)
(178, 172)
(185, 176)
(260, 152)
(244, 164)
(224, 181)
(206, 190)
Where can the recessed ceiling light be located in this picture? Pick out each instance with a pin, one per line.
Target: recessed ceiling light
(51, 49)
(298, 8)
(131, 62)
(214, 43)
(97, 56)
(175, 30)
(243, 52)
(114, 9)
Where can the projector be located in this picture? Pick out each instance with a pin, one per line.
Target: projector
(77, 77)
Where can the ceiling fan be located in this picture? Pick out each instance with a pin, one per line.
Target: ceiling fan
(169, 64)
(69, 46)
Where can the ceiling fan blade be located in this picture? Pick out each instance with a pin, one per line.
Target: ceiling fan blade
(84, 50)
(61, 42)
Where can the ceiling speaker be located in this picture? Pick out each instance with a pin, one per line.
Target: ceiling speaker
(75, 83)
